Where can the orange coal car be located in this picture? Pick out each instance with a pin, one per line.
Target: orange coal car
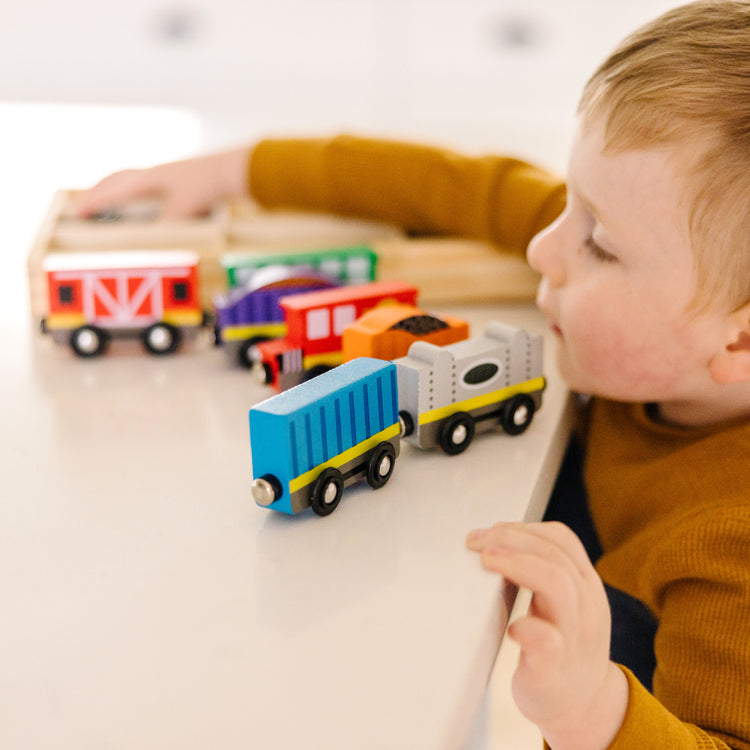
(387, 332)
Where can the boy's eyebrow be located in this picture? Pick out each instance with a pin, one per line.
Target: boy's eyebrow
(608, 226)
(588, 204)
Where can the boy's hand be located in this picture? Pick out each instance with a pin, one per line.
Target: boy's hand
(186, 188)
(565, 682)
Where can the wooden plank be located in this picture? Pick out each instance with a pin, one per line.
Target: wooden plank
(455, 270)
(253, 227)
(35, 258)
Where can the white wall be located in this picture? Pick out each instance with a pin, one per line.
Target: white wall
(479, 74)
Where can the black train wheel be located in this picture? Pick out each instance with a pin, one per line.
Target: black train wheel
(456, 433)
(327, 491)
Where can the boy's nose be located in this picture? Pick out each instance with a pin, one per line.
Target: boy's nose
(544, 255)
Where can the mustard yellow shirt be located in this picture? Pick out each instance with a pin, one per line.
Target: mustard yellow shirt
(671, 507)
(672, 510)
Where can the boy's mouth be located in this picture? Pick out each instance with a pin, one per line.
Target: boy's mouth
(556, 329)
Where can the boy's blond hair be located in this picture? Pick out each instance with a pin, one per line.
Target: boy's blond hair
(683, 80)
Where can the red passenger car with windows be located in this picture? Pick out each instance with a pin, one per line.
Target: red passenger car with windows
(315, 324)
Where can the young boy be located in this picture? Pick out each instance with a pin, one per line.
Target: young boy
(646, 283)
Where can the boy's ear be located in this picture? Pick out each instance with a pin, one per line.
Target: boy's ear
(731, 363)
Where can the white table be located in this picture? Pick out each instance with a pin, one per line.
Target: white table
(146, 602)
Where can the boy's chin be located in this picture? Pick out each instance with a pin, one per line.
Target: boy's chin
(582, 382)
(573, 377)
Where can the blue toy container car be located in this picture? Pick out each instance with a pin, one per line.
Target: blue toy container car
(310, 442)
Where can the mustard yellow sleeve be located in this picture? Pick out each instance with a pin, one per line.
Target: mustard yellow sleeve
(648, 725)
(423, 189)
(696, 579)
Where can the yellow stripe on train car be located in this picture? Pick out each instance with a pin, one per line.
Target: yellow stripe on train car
(529, 386)
(348, 455)
(64, 321)
(240, 333)
(183, 317)
(331, 359)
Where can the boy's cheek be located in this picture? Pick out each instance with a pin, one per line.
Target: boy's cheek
(596, 330)
(589, 354)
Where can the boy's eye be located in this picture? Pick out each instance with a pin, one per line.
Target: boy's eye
(598, 252)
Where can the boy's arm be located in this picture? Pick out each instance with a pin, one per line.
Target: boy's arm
(648, 725)
(423, 189)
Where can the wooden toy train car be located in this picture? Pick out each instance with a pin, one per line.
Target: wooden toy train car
(251, 313)
(94, 297)
(388, 331)
(310, 442)
(447, 393)
(345, 265)
(315, 324)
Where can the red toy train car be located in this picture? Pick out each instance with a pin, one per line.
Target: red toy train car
(315, 324)
(94, 297)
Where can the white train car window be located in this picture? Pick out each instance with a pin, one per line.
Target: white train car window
(318, 324)
(343, 316)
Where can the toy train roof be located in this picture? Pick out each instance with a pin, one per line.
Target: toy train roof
(347, 294)
(275, 276)
(120, 259)
(322, 386)
(385, 317)
(295, 257)
(423, 354)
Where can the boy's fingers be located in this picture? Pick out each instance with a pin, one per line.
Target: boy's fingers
(566, 541)
(182, 205)
(556, 586)
(540, 641)
(114, 191)
(550, 540)
(524, 539)
(478, 539)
